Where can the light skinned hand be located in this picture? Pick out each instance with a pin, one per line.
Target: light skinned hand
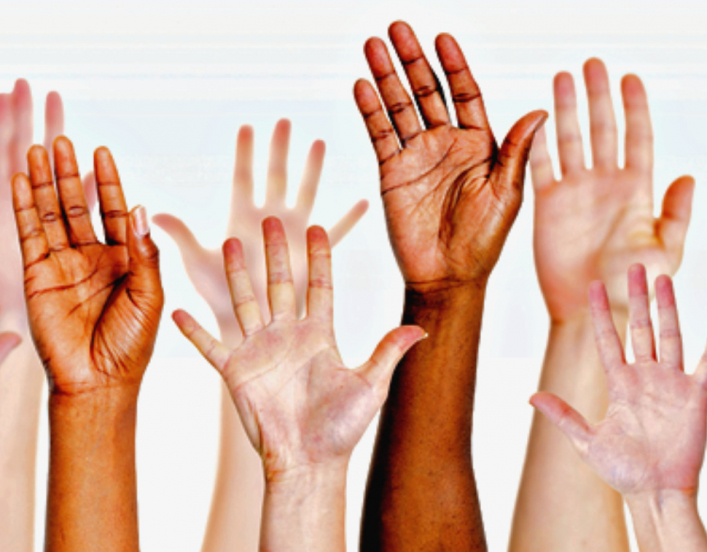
(653, 436)
(301, 407)
(205, 266)
(450, 194)
(93, 307)
(16, 130)
(594, 222)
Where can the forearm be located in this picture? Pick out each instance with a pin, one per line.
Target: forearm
(421, 487)
(234, 519)
(587, 514)
(305, 512)
(21, 378)
(665, 521)
(92, 496)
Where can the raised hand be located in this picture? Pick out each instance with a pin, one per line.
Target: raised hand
(593, 223)
(93, 307)
(205, 266)
(301, 407)
(15, 139)
(653, 436)
(450, 194)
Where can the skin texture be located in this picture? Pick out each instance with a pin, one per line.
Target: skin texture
(93, 310)
(450, 197)
(234, 522)
(592, 223)
(302, 409)
(651, 444)
(21, 380)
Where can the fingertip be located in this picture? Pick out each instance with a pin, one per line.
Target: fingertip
(597, 295)
(231, 248)
(317, 235)
(563, 84)
(664, 291)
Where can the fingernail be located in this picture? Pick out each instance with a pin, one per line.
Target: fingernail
(140, 221)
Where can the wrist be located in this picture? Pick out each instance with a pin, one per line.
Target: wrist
(443, 296)
(666, 520)
(107, 401)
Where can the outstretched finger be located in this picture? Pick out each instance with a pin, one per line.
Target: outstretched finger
(53, 119)
(380, 367)
(569, 136)
(8, 341)
(466, 95)
(71, 193)
(114, 210)
(320, 290)
(541, 172)
(675, 219)
(425, 85)
(347, 222)
(33, 239)
(210, 348)
(401, 110)
(310, 179)
(639, 132)
(245, 304)
(509, 171)
(242, 192)
(189, 247)
(670, 336)
(640, 314)
(45, 198)
(22, 124)
(602, 122)
(380, 131)
(276, 191)
(89, 189)
(566, 418)
(608, 343)
(281, 290)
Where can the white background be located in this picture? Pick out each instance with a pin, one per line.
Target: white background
(166, 84)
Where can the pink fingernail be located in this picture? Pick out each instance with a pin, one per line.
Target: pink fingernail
(140, 218)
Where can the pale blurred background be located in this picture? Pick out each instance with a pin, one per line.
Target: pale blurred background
(167, 84)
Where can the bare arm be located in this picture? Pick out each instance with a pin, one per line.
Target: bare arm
(93, 310)
(592, 223)
(302, 409)
(650, 446)
(234, 521)
(450, 197)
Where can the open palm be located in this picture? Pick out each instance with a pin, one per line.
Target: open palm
(93, 308)
(299, 404)
(653, 436)
(450, 194)
(205, 266)
(595, 222)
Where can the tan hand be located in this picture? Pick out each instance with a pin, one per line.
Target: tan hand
(593, 224)
(93, 307)
(653, 437)
(205, 266)
(298, 403)
(450, 195)
(15, 139)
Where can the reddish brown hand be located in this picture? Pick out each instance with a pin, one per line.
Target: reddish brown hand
(93, 307)
(450, 195)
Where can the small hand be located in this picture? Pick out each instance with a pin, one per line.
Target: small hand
(653, 437)
(205, 266)
(593, 224)
(450, 195)
(93, 307)
(15, 139)
(299, 404)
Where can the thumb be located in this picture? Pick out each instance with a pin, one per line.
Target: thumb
(143, 283)
(675, 217)
(8, 341)
(379, 369)
(509, 171)
(566, 418)
(189, 247)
